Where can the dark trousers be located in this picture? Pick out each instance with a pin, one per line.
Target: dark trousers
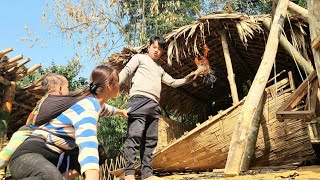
(142, 134)
(33, 166)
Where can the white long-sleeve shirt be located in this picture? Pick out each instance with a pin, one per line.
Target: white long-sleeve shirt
(147, 77)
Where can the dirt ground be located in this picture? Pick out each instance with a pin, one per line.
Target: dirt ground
(301, 173)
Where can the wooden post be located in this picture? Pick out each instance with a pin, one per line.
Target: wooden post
(227, 58)
(241, 141)
(291, 50)
(6, 107)
(314, 27)
(302, 12)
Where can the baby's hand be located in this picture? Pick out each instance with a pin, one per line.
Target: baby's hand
(124, 113)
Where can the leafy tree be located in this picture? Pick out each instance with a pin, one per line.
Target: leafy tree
(147, 18)
(71, 71)
(248, 6)
(97, 28)
(112, 130)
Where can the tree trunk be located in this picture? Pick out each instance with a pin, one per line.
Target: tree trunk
(227, 58)
(241, 141)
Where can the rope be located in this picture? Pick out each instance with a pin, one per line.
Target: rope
(275, 82)
(305, 72)
(295, 61)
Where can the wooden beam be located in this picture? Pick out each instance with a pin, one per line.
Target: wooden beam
(232, 83)
(314, 27)
(291, 50)
(306, 115)
(240, 142)
(302, 12)
(279, 74)
(301, 91)
(316, 42)
(5, 51)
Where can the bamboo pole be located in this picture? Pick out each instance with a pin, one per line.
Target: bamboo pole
(253, 132)
(15, 59)
(240, 142)
(5, 51)
(23, 62)
(233, 86)
(6, 107)
(302, 12)
(314, 27)
(291, 50)
(33, 69)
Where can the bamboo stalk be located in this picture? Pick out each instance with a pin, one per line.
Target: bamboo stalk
(33, 69)
(291, 50)
(233, 86)
(23, 62)
(240, 141)
(299, 10)
(5, 51)
(15, 59)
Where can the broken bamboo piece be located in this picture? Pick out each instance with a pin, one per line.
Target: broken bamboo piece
(239, 144)
(232, 83)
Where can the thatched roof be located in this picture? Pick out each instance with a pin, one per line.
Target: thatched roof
(246, 38)
(25, 98)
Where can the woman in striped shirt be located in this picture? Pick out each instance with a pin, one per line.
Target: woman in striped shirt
(37, 157)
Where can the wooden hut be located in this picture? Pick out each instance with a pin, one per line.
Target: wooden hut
(237, 44)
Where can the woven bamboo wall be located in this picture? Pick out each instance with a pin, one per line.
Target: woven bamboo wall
(206, 147)
(168, 132)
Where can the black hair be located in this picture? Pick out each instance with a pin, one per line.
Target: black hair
(101, 76)
(161, 41)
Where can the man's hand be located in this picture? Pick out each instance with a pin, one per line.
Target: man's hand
(190, 76)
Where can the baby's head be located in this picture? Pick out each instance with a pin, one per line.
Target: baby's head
(55, 84)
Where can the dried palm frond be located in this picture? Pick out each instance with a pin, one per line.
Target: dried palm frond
(246, 28)
(170, 52)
